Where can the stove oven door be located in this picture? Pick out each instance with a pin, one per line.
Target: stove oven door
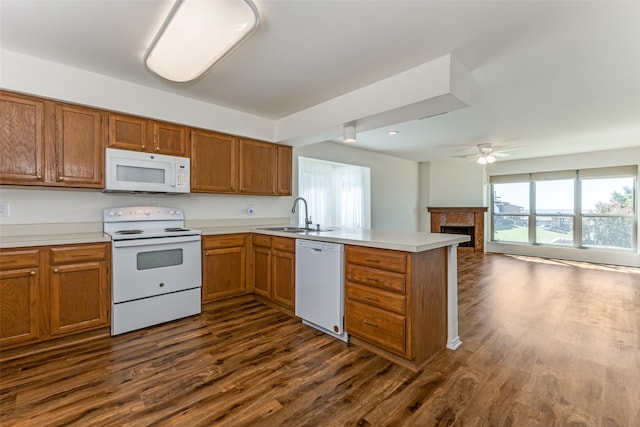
(144, 268)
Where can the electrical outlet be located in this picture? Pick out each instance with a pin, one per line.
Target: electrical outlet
(4, 208)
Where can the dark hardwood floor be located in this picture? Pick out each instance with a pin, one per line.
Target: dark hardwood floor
(544, 343)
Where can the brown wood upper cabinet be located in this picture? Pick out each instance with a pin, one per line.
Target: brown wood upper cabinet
(214, 159)
(140, 134)
(257, 167)
(50, 144)
(223, 163)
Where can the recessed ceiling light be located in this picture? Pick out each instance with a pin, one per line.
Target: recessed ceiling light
(393, 132)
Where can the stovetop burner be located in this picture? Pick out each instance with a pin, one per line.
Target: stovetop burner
(129, 232)
(174, 229)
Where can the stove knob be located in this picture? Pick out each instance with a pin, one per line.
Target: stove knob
(147, 212)
(112, 213)
(119, 212)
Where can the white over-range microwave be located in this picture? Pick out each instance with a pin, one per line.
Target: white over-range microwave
(134, 171)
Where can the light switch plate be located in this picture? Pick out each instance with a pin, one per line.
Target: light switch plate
(4, 208)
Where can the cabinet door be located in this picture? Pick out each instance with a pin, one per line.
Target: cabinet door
(214, 159)
(21, 140)
(223, 272)
(128, 132)
(262, 271)
(170, 139)
(283, 278)
(78, 297)
(79, 147)
(19, 305)
(284, 159)
(257, 167)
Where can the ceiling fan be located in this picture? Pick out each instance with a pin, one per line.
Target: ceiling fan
(486, 154)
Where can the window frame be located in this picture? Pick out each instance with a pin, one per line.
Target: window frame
(577, 216)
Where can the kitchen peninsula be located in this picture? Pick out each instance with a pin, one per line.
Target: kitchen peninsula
(401, 289)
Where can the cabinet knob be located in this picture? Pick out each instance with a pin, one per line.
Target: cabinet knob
(55, 270)
(61, 178)
(33, 273)
(39, 175)
(157, 148)
(206, 253)
(143, 146)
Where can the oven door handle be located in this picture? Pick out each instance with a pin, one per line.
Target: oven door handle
(155, 241)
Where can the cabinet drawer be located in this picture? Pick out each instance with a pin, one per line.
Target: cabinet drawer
(223, 241)
(19, 259)
(65, 255)
(261, 240)
(376, 297)
(376, 326)
(375, 277)
(378, 258)
(285, 244)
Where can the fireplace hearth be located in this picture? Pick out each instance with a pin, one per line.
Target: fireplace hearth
(460, 220)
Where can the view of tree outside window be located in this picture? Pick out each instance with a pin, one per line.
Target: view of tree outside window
(607, 212)
(543, 210)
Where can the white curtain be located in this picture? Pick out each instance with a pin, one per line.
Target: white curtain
(336, 193)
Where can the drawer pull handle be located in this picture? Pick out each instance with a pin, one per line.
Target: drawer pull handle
(33, 273)
(7, 260)
(370, 323)
(371, 298)
(371, 260)
(79, 255)
(372, 279)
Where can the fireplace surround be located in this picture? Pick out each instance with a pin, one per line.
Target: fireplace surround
(460, 220)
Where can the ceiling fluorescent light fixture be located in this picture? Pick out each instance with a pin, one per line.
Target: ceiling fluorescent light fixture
(349, 133)
(197, 34)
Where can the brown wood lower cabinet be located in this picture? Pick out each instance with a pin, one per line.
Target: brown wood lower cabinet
(273, 269)
(73, 296)
(224, 266)
(19, 296)
(396, 302)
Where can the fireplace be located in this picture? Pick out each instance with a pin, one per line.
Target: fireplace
(461, 220)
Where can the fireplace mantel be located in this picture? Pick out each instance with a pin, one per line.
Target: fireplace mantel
(460, 220)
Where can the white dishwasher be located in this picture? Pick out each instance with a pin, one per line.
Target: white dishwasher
(320, 286)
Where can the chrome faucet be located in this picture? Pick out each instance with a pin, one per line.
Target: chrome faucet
(307, 218)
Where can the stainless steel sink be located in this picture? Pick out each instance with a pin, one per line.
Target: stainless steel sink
(294, 229)
(287, 229)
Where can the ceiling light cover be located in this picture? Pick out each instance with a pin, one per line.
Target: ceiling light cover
(197, 34)
(349, 133)
(486, 158)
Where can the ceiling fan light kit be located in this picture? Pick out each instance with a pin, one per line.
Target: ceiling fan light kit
(197, 34)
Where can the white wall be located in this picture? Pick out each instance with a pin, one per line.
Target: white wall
(394, 182)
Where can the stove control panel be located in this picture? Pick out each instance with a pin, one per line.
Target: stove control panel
(142, 213)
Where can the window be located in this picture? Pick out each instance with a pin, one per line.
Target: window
(607, 212)
(591, 208)
(338, 194)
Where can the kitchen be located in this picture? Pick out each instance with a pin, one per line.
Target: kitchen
(399, 197)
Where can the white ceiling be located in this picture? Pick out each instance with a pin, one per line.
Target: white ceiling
(549, 77)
